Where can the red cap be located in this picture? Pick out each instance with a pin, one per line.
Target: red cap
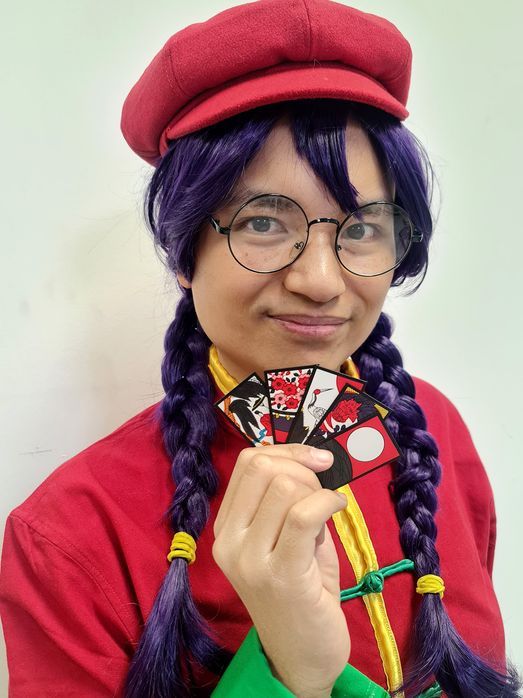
(260, 53)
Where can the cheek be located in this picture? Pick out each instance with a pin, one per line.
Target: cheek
(371, 291)
(226, 296)
(371, 294)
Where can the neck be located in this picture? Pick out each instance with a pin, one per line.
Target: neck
(225, 382)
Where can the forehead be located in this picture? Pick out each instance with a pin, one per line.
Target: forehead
(277, 168)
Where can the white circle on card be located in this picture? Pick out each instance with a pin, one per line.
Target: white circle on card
(365, 444)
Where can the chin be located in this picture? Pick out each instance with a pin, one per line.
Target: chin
(311, 357)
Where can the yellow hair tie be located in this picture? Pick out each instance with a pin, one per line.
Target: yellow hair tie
(430, 584)
(183, 545)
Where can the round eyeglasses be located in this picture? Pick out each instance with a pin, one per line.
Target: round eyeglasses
(270, 231)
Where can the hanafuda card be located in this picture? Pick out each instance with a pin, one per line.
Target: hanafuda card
(358, 451)
(286, 389)
(348, 409)
(322, 390)
(247, 407)
(309, 404)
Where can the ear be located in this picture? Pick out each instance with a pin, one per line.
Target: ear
(182, 280)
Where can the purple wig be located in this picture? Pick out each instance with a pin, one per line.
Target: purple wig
(193, 180)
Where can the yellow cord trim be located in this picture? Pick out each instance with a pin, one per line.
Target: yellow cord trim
(183, 545)
(349, 368)
(430, 584)
(223, 380)
(354, 535)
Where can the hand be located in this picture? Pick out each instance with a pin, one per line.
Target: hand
(272, 543)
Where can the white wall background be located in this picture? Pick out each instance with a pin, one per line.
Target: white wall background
(85, 302)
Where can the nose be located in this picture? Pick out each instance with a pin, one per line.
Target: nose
(317, 273)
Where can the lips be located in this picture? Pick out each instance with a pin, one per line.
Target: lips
(310, 320)
(309, 326)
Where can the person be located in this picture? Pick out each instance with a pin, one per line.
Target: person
(296, 131)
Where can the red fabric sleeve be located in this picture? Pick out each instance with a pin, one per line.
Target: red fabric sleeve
(466, 523)
(64, 637)
(492, 539)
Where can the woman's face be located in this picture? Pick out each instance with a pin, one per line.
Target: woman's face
(312, 312)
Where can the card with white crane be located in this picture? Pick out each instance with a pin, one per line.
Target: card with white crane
(322, 391)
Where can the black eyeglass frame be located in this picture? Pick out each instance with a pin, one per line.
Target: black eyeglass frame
(416, 235)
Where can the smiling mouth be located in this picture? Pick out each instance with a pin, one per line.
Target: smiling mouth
(311, 319)
(309, 325)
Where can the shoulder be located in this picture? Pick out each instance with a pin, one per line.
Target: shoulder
(113, 477)
(464, 478)
(443, 417)
(428, 395)
(444, 420)
(93, 529)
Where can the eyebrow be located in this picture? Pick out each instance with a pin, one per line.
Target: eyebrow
(243, 194)
(366, 202)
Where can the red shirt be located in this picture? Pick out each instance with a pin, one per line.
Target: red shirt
(85, 554)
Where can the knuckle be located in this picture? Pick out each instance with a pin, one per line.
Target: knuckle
(244, 456)
(247, 452)
(258, 464)
(283, 485)
(297, 519)
(219, 553)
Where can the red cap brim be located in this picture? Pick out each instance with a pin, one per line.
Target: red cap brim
(287, 82)
(262, 53)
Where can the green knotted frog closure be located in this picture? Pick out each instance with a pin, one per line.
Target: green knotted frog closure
(373, 581)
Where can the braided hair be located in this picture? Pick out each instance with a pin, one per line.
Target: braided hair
(440, 649)
(194, 179)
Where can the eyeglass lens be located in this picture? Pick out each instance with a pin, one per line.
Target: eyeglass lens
(269, 232)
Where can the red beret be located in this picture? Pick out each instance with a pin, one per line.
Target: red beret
(260, 53)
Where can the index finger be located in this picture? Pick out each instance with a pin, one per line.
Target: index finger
(315, 459)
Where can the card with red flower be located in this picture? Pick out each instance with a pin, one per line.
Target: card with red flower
(247, 407)
(350, 407)
(358, 451)
(286, 388)
(322, 390)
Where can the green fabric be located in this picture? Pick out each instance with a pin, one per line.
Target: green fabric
(351, 683)
(249, 676)
(433, 691)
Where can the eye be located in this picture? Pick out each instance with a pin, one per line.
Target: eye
(261, 225)
(357, 232)
(354, 232)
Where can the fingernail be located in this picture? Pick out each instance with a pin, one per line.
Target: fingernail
(321, 456)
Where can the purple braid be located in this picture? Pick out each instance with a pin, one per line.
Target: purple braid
(175, 629)
(439, 648)
(194, 178)
(175, 634)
